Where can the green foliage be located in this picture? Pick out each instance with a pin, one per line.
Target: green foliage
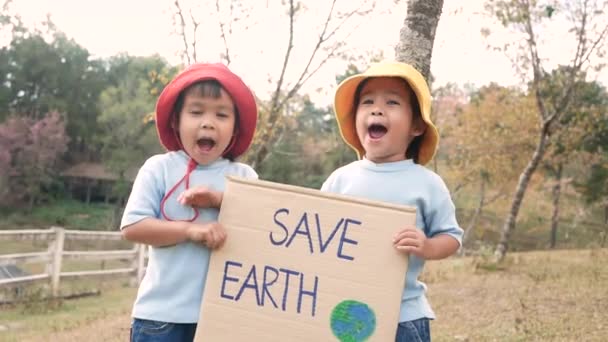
(549, 10)
(69, 214)
(581, 130)
(127, 136)
(38, 302)
(311, 147)
(514, 12)
(43, 71)
(486, 134)
(595, 187)
(28, 160)
(310, 150)
(490, 137)
(351, 70)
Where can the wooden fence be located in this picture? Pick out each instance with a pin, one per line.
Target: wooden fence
(55, 255)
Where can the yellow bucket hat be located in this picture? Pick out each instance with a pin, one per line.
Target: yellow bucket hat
(345, 97)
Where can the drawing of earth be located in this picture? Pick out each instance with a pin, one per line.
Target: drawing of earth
(352, 321)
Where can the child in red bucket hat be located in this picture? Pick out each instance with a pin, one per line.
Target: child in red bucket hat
(384, 115)
(205, 117)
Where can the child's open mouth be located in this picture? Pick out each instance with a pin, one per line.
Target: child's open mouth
(376, 131)
(205, 144)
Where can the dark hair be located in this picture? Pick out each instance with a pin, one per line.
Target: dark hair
(207, 88)
(413, 150)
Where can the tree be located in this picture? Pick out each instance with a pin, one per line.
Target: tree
(579, 121)
(595, 190)
(525, 17)
(447, 103)
(488, 141)
(594, 184)
(310, 150)
(418, 34)
(29, 160)
(45, 71)
(291, 75)
(126, 130)
(127, 136)
(312, 147)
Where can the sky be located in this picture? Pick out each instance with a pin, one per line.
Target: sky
(143, 27)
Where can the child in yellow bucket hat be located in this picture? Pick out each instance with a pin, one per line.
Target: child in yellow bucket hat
(384, 115)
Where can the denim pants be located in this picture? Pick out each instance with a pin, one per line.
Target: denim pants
(153, 331)
(414, 331)
(143, 330)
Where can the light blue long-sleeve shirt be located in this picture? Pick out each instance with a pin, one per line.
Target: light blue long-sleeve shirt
(173, 285)
(406, 183)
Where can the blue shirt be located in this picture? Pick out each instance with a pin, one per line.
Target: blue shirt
(173, 285)
(407, 183)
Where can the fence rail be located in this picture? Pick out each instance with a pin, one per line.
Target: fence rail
(27, 258)
(55, 255)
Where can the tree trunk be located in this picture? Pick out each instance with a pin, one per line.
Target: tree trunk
(418, 34)
(476, 214)
(30, 203)
(107, 192)
(261, 154)
(117, 212)
(556, 192)
(89, 190)
(604, 238)
(522, 185)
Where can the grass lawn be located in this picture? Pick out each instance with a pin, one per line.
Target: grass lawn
(69, 214)
(535, 296)
(539, 296)
(86, 317)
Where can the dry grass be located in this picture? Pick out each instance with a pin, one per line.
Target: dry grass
(99, 318)
(535, 296)
(539, 296)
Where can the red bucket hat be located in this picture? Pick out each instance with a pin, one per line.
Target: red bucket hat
(239, 92)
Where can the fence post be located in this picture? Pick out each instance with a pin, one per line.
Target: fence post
(139, 263)
(51, 252)
(57, 254)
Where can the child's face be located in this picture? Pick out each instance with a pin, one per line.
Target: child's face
(206, 126)
(384, 119)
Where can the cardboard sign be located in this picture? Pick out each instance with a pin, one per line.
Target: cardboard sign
(303, 265)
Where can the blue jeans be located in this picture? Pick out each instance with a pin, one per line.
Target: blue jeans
(414, 331)
(143, 330)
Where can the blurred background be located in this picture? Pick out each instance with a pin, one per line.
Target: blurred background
(519, 97)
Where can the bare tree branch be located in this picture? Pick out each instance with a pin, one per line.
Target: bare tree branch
(274, 109)
(494, 198)
(346, 18)
(580, 46)
(460, 186)
(330, 54)
(581, 57)
(537, 71)
(277, 92)
(222, 31)
(305, 75)
(183, 30)
(600, 38)
(194, 30)
(283, 92)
